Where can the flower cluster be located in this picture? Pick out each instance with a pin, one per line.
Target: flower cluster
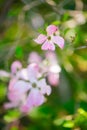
(27, 86)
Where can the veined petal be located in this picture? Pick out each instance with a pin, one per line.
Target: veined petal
(48, 45)
(40, 39)
(59, 41)
(51, 29)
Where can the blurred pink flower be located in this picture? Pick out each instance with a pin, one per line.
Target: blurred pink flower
(26, 94)
(51, 39)
(38, 89)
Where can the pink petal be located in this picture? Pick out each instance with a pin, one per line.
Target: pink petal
(21, 87)
(48, 45)
(59, 41)
(51, 29)
(10, 105)
(25, 108)
(44, 88)
(16, 65)
(51, 57)
(4, 74)
(53, 79)
(40, 39)
(23, 74)
(12, 83)
(35, 98)
(34, 57)
(33, 72)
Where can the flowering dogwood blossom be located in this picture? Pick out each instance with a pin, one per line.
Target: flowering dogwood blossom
(48, 42)
(26, 94)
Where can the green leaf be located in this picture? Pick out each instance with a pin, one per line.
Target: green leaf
(68, 124)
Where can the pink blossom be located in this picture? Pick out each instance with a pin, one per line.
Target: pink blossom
(48, 42)
(26, 94)
(38, 89)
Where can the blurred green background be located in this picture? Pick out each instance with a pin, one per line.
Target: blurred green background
(20, 22)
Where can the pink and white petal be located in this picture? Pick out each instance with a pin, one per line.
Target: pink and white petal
(51, 57)
(35, 98)
(55, 68)
(4, 74)
(33, 70)
(23, 74)
(21, 87)
(16, 65)
(41, 84)
(59, 41)
(51, 29)
(10, 105)
(48, 90)
(48, 45)
(34, 57)
(16, 97)
(26, 108)
(53, 79)
(40, 39)
(12, 83)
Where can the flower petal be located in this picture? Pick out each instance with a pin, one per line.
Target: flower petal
(40, 39)
(35, 98)
(12, 83)
(23, 74)
(53, 79)
(48, 45)
(33, 71)
(59, 41)
(21, 86)
(34, 57)
(16, 65)
(10, 105)
(44, 88)
(51, 29)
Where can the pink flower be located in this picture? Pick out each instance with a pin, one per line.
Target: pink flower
(48, 42)
(37, 91)
(26, 94)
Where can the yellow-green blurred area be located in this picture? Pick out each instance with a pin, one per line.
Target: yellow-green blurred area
(20, 22)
